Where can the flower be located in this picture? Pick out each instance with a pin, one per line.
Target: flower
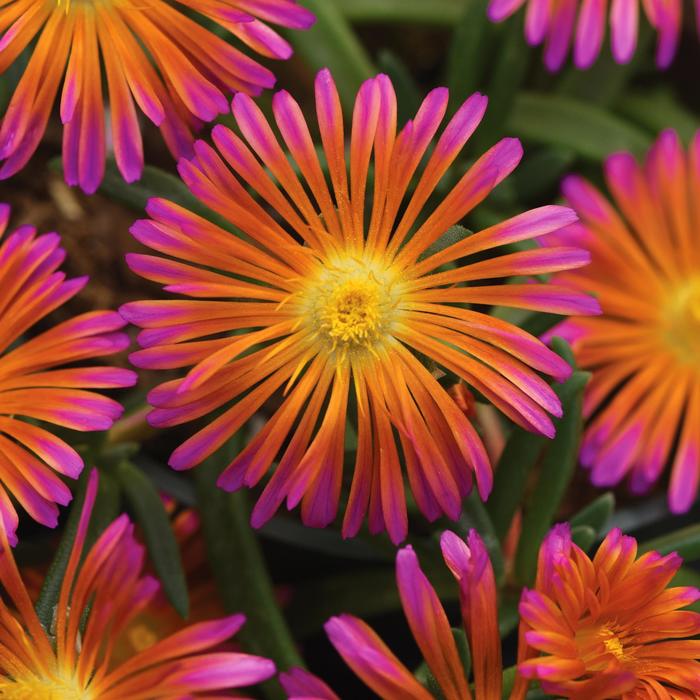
(643, 401)
(376, 665)
(159, 618)
(35, 386)
(328, 314)
(556, 23)
(104, 594)
(155, 56)
(610, 627)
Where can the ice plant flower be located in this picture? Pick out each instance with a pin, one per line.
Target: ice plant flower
(35, 387)
(583, 22)
(328, 302)
(378, 667)
(643, 401)
(97, 600)
(609, 627)
(156, 56)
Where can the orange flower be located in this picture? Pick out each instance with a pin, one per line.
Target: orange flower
(610, 627)
(154, 55)
(97, 600)
(643, 401)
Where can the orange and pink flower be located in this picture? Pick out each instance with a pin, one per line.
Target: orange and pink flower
(156, 57)
(583, 23)
(385, 674)
(98, 599)
(329, 301)
(609, 627)
(35, 387)
(643, 401)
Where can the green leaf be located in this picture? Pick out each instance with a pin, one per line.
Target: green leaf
(556, 470)
(149, 511)
(596, 514)
(408, 94)
(466, 57)
(581, 126)
(584, 536)
(433, 12)
(510, 66)
(240, 570)
(519, 457)
(657, 111)
(540, 171)
(475, 515)
(331, 43)
(686, 542)
(51, 588)
(107, 506)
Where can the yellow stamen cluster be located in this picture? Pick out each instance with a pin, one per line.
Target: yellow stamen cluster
(682, 322)
(351, 306)
(34, 688)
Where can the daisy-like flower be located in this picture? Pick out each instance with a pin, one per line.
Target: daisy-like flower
(643, 401)
(583, 22)
(378, 667)
(97, 600)
(609, 627)
(330, 302)
(34, 383)
(155, 55)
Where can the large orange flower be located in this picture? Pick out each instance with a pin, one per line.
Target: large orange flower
(155, 56)
(330, 302)
(643, 401)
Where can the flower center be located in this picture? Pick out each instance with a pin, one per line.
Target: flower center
(351, 306)
(612, 643)
(682, 322)
(34, 688)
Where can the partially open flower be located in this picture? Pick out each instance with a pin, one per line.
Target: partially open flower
(98, 599)
(609, 627)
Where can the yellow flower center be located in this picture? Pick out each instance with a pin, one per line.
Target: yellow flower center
(682, 322)
(612, 644)
(34, 688)
(351, 305)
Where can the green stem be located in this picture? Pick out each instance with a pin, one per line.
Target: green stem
(242, 575)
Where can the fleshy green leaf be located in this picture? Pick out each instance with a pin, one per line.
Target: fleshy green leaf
(657, 111)
(149, 512)
(408, 94)
(466, 58)
(584, 536)
(556, 469)
(421, 11)
(685, 541)
(583, 127)
(596, 514)
(240, 570)
(51, 588)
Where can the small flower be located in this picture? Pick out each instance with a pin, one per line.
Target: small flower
(377, 666)
(643, 401)
(97, 601)
(610, 627)
(155, 55)
(34, 385)
(327, 304)
(557, 23)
